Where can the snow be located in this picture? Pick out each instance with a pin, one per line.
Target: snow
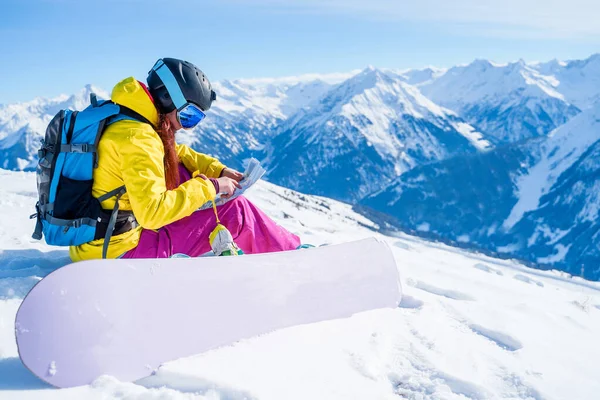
(510, 248)
(423, 227)
(419, 76)
(487, 268)
(564, 146)
(561, 252)
(578, 80)
(37, 113)
(463, 239)
(273, 97)
(331, 78)
(277, 99)
(527, 279)
(374, 106)
(483, 81)
(591, 208)
(476, 138)
(511, 102)
(253, 110)
(468, 327)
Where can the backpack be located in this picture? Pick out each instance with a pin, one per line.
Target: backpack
(67, 213)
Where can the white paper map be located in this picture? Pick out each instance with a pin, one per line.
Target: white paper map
(254, 171)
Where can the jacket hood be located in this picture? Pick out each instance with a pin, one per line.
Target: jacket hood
(131, 94)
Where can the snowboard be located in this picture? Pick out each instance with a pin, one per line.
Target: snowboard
(126, 317)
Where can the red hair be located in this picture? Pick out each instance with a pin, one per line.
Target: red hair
(167, 135)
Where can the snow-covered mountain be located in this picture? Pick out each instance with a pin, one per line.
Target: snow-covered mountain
(348, 136)
(509, 102)
(578, 80)
(247, 112)
(245, 115)
(20, 144)
(419, 76)
(536, 200)
(23, 125)
(468, 327)
(363, 133)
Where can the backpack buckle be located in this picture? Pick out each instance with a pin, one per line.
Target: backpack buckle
(77, 223)
(79, 148)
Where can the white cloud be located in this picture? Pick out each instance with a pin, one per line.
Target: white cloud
(529, 18)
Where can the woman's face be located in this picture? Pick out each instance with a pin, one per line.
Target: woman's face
(172, 117)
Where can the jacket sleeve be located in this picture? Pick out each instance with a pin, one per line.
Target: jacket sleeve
(143, 174)
(202, 163)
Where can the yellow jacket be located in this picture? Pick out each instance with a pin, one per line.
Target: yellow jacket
(131, 153)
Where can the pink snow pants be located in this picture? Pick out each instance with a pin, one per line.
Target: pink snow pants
(252, 230)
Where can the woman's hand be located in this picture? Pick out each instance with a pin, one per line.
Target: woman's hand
(228, 185)
(233, 174)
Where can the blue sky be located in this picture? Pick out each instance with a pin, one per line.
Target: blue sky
(49, 47)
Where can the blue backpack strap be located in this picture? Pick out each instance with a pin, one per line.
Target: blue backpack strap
(71, 126)
(123, 113)
(128, 112)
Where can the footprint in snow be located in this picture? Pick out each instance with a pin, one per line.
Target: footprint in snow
(527, 279)
(425, 382)
(448, 293)
(584, 304)
(518, 387)
(402, 245)
(487, 268)
(501, 339)
(410, 302)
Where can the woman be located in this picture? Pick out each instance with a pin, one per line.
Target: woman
(166, 182)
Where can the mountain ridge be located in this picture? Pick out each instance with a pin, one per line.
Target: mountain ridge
(459, 145)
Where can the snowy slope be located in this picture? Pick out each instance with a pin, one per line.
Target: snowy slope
(559, 152)
(578, 80)
(362, 133)
(556, 217)
(469, 327)
(537, 200)
(509, 102)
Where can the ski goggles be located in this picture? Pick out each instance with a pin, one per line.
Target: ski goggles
(188, 114)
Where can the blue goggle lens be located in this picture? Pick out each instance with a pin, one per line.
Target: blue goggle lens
(190, 116)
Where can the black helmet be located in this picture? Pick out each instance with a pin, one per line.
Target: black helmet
(172, 81)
